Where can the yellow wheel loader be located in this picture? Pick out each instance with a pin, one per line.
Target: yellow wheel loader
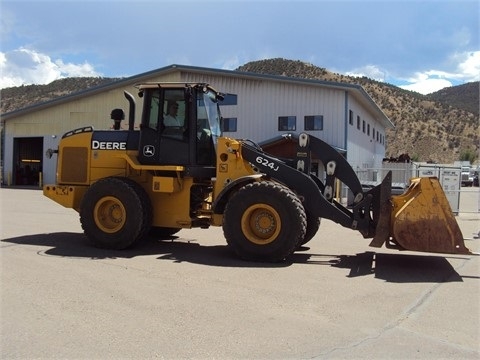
(178, 171)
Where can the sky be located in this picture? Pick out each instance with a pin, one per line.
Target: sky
(421, 46)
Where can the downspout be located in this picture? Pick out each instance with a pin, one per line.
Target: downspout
(345, 135)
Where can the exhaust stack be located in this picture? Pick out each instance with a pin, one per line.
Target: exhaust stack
(131, 110)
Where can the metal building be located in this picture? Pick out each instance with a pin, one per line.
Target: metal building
(257, 107)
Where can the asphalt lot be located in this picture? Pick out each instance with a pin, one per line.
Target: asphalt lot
(190, 298)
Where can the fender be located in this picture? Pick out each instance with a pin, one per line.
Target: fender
(218, 205)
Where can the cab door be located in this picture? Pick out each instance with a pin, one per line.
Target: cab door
(164, 134)
(149, 147)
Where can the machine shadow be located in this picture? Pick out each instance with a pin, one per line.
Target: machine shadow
(175, 249)
(398, 268)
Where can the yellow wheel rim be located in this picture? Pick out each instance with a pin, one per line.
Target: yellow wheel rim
(261, 224)
(109, 214)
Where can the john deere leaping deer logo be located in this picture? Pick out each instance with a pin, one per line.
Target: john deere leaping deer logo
(148, 150)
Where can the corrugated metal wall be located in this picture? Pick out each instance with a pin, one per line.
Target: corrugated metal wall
(363, 149)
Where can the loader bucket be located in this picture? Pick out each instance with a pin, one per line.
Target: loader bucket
(422, 220)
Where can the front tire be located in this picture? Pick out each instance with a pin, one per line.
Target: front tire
(115, 213)
(264, 221)
(313, 224)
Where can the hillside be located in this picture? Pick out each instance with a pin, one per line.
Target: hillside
(439, 127)
(15, 98)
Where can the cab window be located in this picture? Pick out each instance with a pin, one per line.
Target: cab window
(153, 109)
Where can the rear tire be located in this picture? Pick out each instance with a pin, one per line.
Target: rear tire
(264, 221)
(115, 213)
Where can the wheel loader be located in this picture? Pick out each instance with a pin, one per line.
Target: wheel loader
(128, 185)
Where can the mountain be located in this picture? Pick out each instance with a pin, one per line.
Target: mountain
(441, 127)
(464, 96)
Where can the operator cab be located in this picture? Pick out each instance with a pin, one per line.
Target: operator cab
(180, 124)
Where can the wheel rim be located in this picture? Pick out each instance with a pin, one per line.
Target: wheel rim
(109, 214)
(261, 224)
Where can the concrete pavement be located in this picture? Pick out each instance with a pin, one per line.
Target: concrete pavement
(192, 299)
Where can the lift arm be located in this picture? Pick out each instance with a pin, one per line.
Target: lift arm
(316, 195)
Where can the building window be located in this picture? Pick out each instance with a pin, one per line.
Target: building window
(358, 122)
(363, 126)
(229, 124)
(287, 123)
(350, 117)
(229, 99)
(368, 129)
(314, 122)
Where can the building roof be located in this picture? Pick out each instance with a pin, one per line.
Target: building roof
(357, 90)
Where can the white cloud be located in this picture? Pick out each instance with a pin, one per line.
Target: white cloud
(466, 69)
(425, 85)
(24, 67)
(369, 71)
